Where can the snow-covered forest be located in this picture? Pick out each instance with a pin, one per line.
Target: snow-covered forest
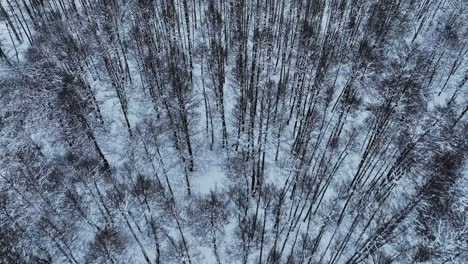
(233, 131)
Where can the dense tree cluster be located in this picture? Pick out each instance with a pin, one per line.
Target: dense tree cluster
(233, 131)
